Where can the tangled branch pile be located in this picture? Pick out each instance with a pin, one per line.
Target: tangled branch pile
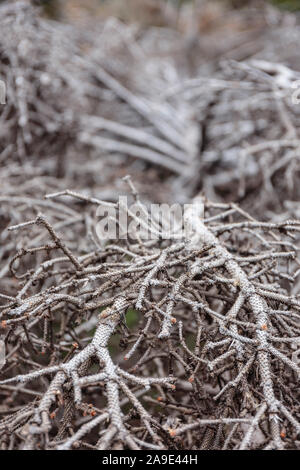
(164, 343)
(240, 378)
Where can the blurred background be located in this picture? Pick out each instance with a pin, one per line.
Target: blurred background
(196, 79)
(151, 12)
